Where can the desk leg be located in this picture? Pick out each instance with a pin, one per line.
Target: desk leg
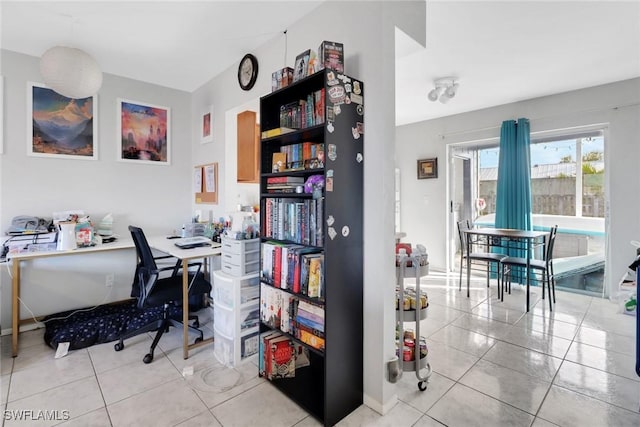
(15, 309)
(185, 309)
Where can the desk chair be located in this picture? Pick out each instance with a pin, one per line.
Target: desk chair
(153, 291)
(485, 258)
(543, 266)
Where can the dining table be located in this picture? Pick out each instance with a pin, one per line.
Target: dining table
(526, 240)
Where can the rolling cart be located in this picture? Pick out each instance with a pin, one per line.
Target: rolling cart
(412, 359)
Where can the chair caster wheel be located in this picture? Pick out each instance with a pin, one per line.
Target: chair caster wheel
(422, 385)
(148, 358)
(118, 346)
(199, 339)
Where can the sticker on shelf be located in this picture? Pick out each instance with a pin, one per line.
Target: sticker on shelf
(360, 109)
(330, 127)
(329, 186)
(358, 99)
(344, 78)
(330, 220)
(333, 152)
(356, 87)
(347, 100)
(360, 127)
(332, 233)
(331, 75)
(355, 133)
(336, 95)
(337, 110)
(331, 116)
(359, 158)
(347, 87)
(345, 231)
(330, 173)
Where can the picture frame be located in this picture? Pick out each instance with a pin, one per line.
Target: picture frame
(428, 168)
(144, 133)
(59, 126)
(206, 125)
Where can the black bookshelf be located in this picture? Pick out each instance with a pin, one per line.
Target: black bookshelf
(332, 386)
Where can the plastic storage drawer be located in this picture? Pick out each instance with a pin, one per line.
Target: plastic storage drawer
(231, 246)
(223, 348)
(225, 288)
(240, 270)
(224, 319)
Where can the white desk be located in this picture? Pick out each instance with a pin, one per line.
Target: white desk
(167, 246)
(159, 243)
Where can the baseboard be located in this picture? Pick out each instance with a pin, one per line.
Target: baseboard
(379, 407)
(23, 328)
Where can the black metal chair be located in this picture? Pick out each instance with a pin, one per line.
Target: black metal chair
(151, 290)
(543, 266)
(487, 259)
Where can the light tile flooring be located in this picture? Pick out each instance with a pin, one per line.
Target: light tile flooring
(493, 365)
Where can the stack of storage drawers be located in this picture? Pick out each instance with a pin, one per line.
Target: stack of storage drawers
(240, 257)
(236, 291)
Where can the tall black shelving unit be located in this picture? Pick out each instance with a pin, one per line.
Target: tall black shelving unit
(331, 386)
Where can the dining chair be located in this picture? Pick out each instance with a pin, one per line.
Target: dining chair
(474, 257)
(543, 267)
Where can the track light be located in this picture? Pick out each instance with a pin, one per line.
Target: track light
(444, 89)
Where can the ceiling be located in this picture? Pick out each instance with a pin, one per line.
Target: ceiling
(509, 51)
(177, 44)
(501, 52)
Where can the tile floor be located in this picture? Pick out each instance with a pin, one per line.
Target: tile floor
(493, 365)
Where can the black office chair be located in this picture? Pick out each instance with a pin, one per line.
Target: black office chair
(485, 258)
(543, 266)
(153, 291)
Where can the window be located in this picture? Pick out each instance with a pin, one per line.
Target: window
(567, 176)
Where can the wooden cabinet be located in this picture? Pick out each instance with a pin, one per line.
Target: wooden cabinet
(248, 147)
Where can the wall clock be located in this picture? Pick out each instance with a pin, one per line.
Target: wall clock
(248, 71)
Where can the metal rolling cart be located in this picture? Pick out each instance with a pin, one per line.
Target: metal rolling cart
(412, 266)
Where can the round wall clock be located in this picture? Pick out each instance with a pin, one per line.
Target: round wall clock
(248, 71)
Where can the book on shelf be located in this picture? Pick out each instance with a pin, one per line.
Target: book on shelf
(283, 358)
(264, 338)
(285, 179)
(276, 132)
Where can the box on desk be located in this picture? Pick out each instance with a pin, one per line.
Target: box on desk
(281, 78)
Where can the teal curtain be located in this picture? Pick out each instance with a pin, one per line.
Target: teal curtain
(513, 198)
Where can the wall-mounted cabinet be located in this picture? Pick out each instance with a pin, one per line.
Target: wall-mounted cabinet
(248, 147)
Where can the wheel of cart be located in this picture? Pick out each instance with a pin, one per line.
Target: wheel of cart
(414, 267)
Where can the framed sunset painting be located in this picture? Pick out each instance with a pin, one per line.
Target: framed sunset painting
(59, 126)
(143, 133)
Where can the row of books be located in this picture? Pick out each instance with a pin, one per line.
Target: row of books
(279, 356)
(299, 156)
(305, 112)
(299, 269)
(297, 220)
(301, 319)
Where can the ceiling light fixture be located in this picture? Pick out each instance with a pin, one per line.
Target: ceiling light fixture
(444, 89)
(70, 72)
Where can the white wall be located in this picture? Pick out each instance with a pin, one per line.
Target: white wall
(157, 198)
(367, 31)
(425, 202)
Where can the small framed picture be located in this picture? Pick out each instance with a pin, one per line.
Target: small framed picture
(206, 125)
(427, 168)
